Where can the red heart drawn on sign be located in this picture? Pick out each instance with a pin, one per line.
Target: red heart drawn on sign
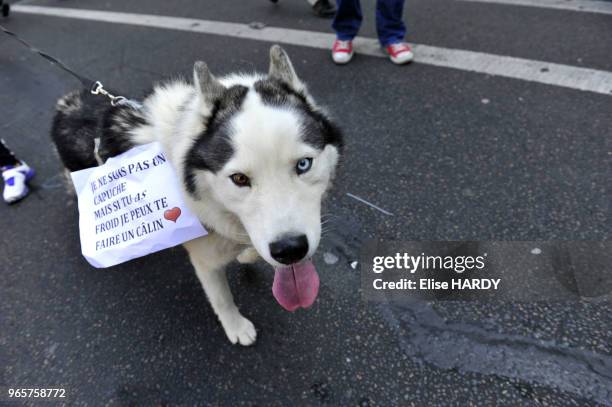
(173, 214)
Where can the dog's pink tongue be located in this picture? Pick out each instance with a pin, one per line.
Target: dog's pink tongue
(296, 285)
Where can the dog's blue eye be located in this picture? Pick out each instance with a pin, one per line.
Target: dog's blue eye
(303, 165)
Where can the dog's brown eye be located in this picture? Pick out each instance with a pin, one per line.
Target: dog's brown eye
(241, 180)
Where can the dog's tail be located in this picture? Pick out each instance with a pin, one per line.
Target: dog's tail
(87, 129)
(75, 127)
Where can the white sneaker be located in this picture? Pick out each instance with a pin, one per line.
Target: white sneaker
(342, 51)
(15, 179)
(399, 53)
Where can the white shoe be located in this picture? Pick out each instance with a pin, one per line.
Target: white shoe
(399, 53)
(15, 179)
(342, 51)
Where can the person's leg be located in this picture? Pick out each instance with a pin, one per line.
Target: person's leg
(391, 30)
(7, 158)
(389, 24)
(346, 24)
(347, 20)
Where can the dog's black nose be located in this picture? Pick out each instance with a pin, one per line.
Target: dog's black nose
(289, 249)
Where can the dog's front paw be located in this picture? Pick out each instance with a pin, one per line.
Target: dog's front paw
(239, 329)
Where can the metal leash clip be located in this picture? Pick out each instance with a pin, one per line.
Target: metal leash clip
(98, 89)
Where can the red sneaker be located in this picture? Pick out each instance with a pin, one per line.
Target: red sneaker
(342, 51)
(399, 53)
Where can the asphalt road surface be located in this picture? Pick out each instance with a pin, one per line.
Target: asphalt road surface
(452, 154)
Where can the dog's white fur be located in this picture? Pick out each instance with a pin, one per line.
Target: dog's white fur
(267, 142)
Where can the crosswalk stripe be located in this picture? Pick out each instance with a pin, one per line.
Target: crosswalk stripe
(589, 6)
(566, 76)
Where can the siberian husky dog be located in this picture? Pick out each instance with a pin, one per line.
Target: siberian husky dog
(254, 155)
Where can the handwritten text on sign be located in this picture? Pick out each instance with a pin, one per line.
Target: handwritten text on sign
(132, 206)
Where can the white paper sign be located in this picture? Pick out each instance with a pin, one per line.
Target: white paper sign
(132, 206)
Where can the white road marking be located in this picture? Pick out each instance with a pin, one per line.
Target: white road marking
(589, 6)
(567, 76)
(370, 204)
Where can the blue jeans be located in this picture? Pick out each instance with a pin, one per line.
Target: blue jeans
(389, 24)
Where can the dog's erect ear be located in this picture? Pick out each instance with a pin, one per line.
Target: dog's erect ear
(281, 67)
(210, 88)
